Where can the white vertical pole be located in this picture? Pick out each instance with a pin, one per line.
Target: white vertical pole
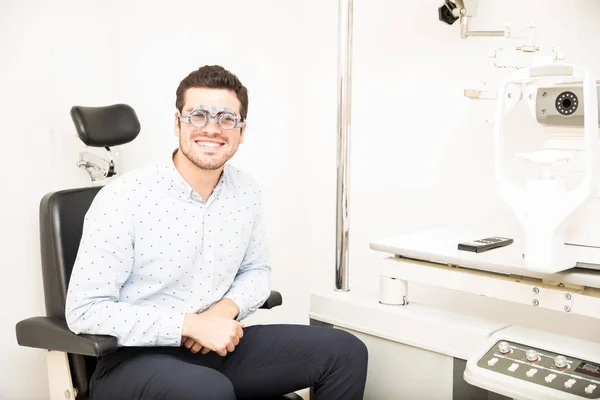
(343, 154)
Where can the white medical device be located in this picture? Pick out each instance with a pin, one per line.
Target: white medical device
(471, 326)
(546, 206)
(543, 268)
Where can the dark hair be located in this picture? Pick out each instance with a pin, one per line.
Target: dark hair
(215, 77)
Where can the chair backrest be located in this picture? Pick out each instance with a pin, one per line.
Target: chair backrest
(61, 223)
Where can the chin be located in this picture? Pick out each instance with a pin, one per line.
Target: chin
(210, 166)
(209, 163)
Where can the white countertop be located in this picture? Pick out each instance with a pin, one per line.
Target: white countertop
(440, 246)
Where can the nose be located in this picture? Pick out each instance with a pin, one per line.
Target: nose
(212, 127)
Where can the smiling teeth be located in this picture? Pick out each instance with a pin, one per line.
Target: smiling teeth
(208, 144)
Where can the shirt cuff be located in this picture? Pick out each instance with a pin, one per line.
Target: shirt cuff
(238, 300)
(170, 329)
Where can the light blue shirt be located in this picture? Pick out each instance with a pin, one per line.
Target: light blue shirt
(152, 250)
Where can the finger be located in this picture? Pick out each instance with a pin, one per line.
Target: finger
(205, 350)
(236, 340)
(196, 347)
(239, 329)
(230, 347)
(189, 343)
(222, 352)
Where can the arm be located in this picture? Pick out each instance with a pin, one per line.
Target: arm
(252, 284)
(104, 263)
(225, 307)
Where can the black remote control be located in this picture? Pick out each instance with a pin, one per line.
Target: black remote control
(481, 245)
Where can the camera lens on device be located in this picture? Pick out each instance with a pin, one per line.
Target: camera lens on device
(567, 103)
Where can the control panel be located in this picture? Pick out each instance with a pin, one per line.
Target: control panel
(561, 372)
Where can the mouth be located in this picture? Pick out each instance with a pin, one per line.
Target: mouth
(209, 144)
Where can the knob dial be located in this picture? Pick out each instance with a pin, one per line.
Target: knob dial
(504, 347)
(532, 355)
(560, 361)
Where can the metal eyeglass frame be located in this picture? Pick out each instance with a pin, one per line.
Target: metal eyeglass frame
(209, 112)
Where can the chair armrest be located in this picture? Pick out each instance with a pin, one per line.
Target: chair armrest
(274, 300)
(54, 334)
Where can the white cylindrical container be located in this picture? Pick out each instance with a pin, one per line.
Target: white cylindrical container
(393, 291)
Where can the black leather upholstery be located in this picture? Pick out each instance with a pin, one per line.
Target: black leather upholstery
(61, 225)
(106, 126)
(62, 216)
(54, 334)
(274, 300)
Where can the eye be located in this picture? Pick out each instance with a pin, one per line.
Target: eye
(227, 120)
(198, 118)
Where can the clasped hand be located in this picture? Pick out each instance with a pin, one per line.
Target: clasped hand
(210, 331)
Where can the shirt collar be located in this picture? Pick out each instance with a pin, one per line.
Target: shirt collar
(180, 186)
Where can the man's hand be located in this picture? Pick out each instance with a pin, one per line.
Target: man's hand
(225, 308)
(211, 331)
(193, 346)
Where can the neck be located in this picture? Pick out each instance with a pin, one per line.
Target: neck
(201, 180)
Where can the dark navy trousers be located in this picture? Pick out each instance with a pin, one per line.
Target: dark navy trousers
(270, 360)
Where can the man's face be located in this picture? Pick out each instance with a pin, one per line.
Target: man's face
(208, 147)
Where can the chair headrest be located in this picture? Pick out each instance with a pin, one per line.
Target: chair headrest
(106, 126)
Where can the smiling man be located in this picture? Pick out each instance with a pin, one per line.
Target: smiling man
(172, 259)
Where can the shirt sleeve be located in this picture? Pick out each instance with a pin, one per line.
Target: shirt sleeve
(103, 264)
(252, 284)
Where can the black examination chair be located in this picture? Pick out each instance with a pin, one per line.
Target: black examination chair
(71, 358)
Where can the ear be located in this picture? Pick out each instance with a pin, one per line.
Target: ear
(242, 131)
(176, 126)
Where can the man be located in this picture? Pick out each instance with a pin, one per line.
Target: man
(173, 258)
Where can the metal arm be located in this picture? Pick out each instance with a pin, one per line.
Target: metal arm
(465, 10)
(97, 167)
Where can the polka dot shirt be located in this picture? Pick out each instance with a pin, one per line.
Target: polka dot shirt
(152, 250)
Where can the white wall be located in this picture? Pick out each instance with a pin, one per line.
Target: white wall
(57, 54)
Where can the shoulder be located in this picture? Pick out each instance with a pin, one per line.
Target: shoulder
(129, 185)
(241, 181)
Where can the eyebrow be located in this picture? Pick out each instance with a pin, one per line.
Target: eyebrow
(188, 109)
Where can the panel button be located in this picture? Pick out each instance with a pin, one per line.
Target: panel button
(560, 361)
(590, 389)
(492, 362)
(504, 347)
(550, 378)
(531, 372)
(532, 355)
(513, 367)
(569, 384)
